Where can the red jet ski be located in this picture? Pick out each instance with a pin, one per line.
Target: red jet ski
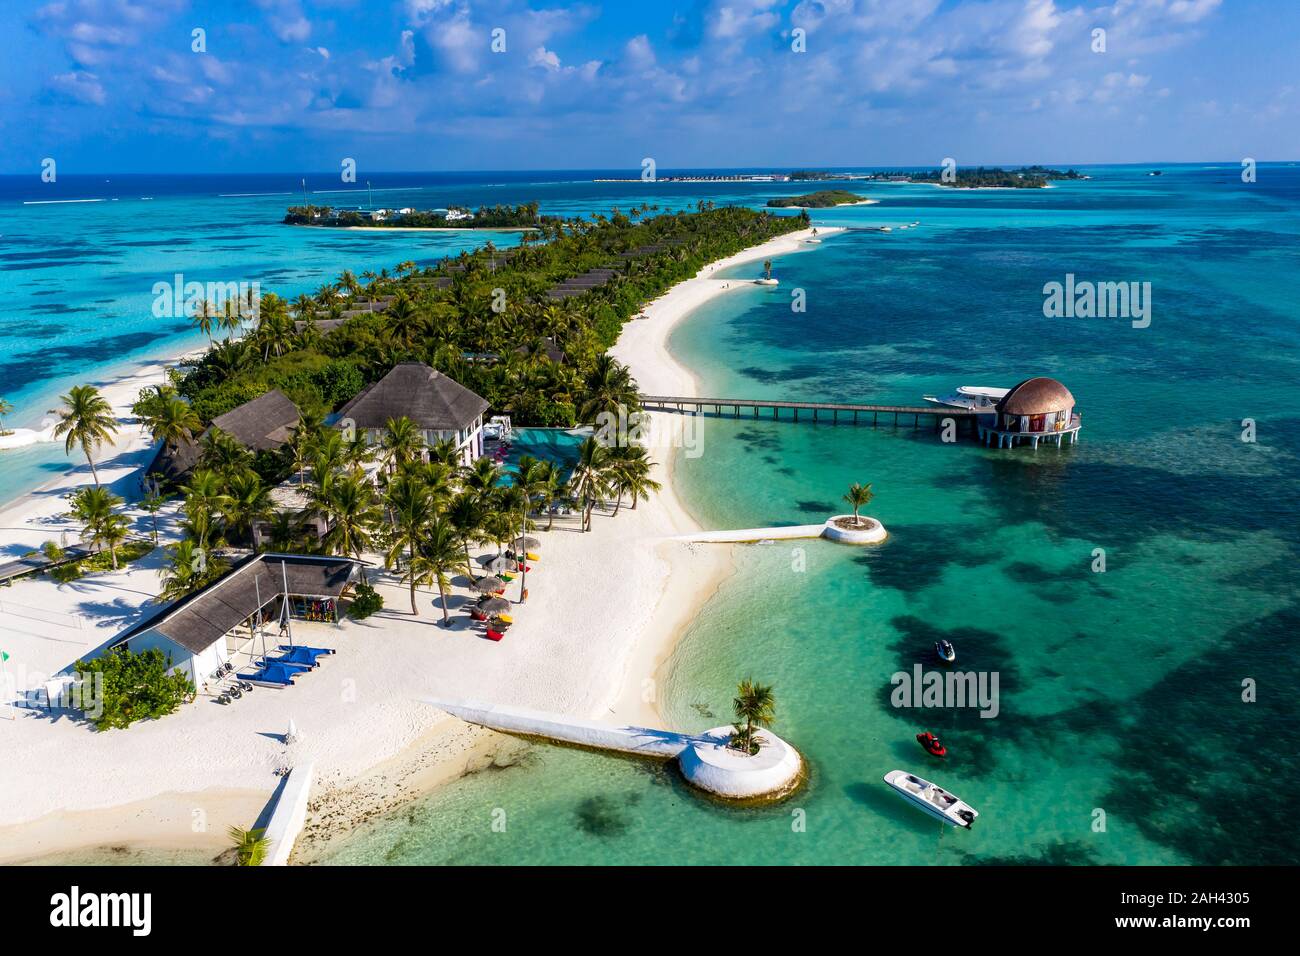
(932, 744)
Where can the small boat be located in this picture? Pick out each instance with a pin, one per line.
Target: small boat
(916, 222)
(975, 397)
(945, 651)
(932, 744)
(886, 228)
(932, 798)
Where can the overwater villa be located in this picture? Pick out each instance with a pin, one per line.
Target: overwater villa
(237, 619)
(1038, 409)
(263, 424)
(441, 408)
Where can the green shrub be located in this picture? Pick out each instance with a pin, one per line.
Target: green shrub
(135, 687)
(365, 603)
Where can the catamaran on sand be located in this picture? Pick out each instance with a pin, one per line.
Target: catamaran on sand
(932, 798)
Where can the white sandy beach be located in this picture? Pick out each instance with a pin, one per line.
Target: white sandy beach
(605, 611)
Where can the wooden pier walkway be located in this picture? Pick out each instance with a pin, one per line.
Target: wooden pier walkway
(820, 411)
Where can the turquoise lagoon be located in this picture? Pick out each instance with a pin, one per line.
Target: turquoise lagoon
(1120, 692)
(1122, 736)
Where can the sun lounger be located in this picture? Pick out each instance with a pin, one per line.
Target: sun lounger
(495, 635)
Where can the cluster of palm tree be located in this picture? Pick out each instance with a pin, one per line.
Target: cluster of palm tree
(449, 316)
(5, 409)
(102, 526)
(604, 471)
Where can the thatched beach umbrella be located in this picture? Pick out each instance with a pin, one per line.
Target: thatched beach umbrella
(494, 605)
(488, 584)
(496, 563)
(525, 542)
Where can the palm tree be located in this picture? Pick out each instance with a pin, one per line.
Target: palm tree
(466, 515)
(859, 496)
(609, 389)
(444, 450)
(300, 441)
(481, 477)
(630, 474)
(250, 845)
(190, 569)
(438, 556)
(172, 420)
(202, 319)
(246, 501)
(231, 318)
(87, 421)
(402, 442)
(588, 480)
(223, 453)
(411, 508)
(101, 526)
(767, 268)
(753, 704)
(352, 514)
(152, 503)
(548, 486)
(525, 483)
(5, 409)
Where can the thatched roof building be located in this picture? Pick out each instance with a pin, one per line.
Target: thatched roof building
(262, 424)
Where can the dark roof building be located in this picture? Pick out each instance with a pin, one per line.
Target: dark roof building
(262, 424)
(1038, 409)
(192, 631)
(426, 396)
(440, 407)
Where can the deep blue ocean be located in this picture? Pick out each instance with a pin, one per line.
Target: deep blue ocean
(1122, 736)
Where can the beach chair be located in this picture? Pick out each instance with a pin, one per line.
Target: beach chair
(495, 635)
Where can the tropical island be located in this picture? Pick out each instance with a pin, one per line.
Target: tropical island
(332, 479)
(980, 177)
(821, 175)
(822, 199)
(523, 216)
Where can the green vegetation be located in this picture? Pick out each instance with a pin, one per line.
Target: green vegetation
(135, 687)
(5, 409)
(250, 846)
(444, 316)
(87, 421)
(818, 200)
(485, 217)
(1026, 177)
(859, 496)
(365, 603)
(754, 706)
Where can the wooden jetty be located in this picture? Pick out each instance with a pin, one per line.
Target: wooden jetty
(833, 412)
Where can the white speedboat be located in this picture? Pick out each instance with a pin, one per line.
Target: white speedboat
(932, 798)
(978, 397)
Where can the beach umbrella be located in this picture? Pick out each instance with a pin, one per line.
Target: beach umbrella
(488, 584)
(526, 542)
(495, 605)
(496, 563)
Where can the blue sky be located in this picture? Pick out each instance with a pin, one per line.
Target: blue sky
(287, 85)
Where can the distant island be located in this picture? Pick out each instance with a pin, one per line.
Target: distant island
(818, 200)
(981, 177)
(485, 217)
(819, 175)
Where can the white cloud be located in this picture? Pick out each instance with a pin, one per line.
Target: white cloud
(81, 86)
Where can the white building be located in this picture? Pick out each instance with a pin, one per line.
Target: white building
(441, 408)
(211, 627)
